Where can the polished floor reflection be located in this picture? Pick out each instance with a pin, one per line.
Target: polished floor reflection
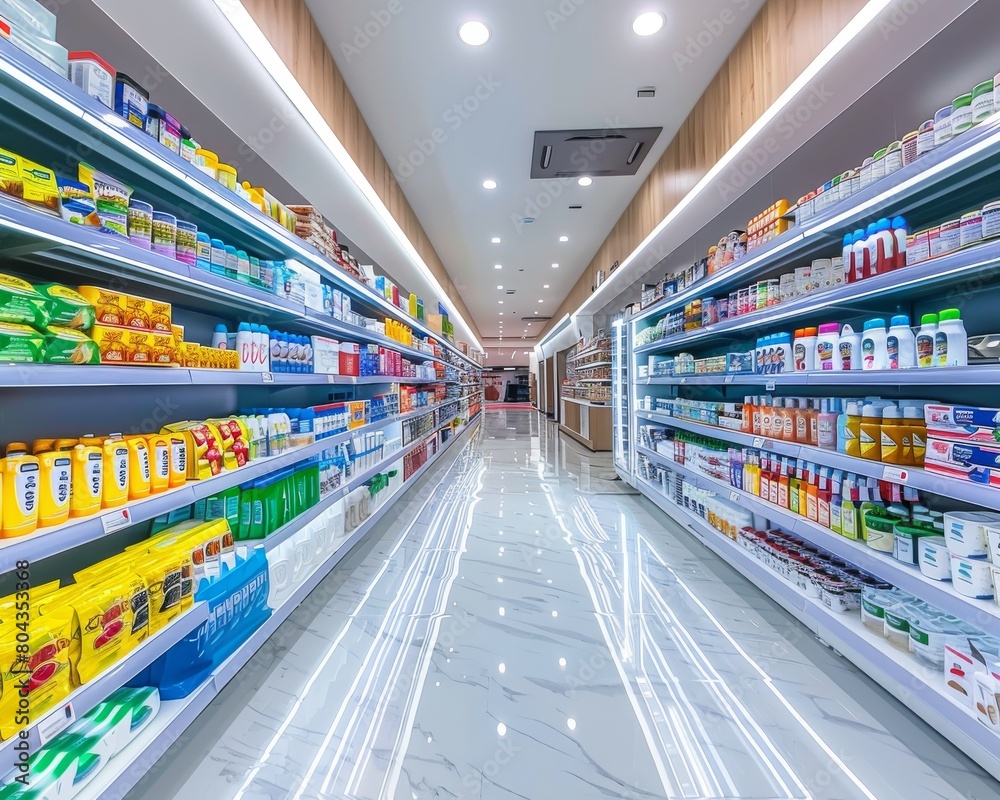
(527, 627)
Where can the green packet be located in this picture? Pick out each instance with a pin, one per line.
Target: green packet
(20, 304)
(20, 344)
(67, 346)
(66, 307)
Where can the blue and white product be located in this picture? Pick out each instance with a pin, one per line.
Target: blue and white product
(244, 346)
(310, 354)
(265, 349)
(275, 362)
(255, 348)
(283, 352)
(220, 339)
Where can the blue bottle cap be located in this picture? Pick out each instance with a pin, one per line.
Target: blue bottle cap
(884, 225)
(244, 326)
(873, 228)
(848, 239)
(875, 323)
(901, 321)
(898, 223)
(859, 236)
(221, 329)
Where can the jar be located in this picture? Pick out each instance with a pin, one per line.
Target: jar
(925, 138)
(942, 126)
(164, 234)
(971, 228)
(950, 238)
(226, 175)
(910, 145)
(982, 102)
(961, 114)
(878, 165)
(207, 162)
(187, 243)
(991, 220)
(865, 173)
(140, 224)
(893, 158)
(897, 626)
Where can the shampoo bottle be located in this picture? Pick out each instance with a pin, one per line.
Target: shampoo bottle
(951, 340)
(264, 349)
(871, 433)
(859, 256)
(244, 346)
(926, 341)
(901, 344)
(900, 231)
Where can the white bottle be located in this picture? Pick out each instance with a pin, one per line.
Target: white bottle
(220, 339)
(850, 349)
(828, 348)
(874, 349)
(951, 342)
(244, 346)
(254, 347)
(901, 344)
(264, 350)
(926, 341)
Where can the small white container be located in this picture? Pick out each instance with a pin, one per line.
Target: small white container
(94, 75)
(972, 577)
(935, 558)
(966, 532)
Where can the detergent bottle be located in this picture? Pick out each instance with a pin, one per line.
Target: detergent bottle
(20, 492)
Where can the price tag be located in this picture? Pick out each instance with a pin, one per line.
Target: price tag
(770, 387)
(116, 520)
(729, 378)
(758, 442)
(896, 475)
(267, 377)
(55, 723)
(735, 496)
(683, 381)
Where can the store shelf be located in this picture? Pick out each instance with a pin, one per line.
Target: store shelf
(945, 175)
(584, 367)
(587, 353)
(984, 614)
(943, 376)
(48, 542)
(88, 696)
(129, 767)
(26, 376)
(918, 687)
(593, 380)
(61, 118)
(962, 491)
(586, 402)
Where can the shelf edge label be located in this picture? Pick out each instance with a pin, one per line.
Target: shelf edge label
(267, 377)
(116, 520)
(55, 723)
(896, 475)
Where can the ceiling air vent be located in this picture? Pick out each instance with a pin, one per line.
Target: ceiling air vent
(539, 318)
(597, 153)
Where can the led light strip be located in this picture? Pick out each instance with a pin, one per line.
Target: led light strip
(244, 24)
(864, 18)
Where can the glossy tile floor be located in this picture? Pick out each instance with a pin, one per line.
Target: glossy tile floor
(527, 627)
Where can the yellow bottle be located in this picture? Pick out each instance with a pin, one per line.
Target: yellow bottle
(852, 431)
(913, 422)
(20, 492)
(40, 446)
(139, 468)
(159, 461)
(87, 490)
(897, 446)
(55, 481)
(116, 472)
(178, 460)
(871, 434)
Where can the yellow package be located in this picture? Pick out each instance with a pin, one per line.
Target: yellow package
(178, 332)
(114, 469)
(167, 574)
(192, 355)
(109, 307)
(54, 489)
(159, 463)
(205, 544)
(33, 595)
(160, 316)
(29, 182)
(235, 442)
(203, 454)
(164, 349)
(110, 620)
(35, 675)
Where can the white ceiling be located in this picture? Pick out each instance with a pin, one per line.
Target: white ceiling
(551, 64)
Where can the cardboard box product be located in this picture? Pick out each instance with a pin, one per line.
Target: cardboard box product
(350, 359)
(326, 356)
(123, 346)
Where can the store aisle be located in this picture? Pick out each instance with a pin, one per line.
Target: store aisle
(526, 627)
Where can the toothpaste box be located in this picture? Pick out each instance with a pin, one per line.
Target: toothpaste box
(326, 356)
(949, 452)
(964, 423)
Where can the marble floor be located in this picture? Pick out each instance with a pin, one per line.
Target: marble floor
(526, 626)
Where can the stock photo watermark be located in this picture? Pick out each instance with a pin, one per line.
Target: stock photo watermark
(900, 15)
(711, 30)
(368, 31)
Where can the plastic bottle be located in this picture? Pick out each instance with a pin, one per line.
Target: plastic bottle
(901, 344)
(293, 353)
(747, 424)
(20, 487)
(874, 346)
(307, 348)
(232, 262)
(218, 257)
(827, 348)
(951, 341)
(283, 348)
(275, 364)
(829, 416)
(886, 248)
(804, 350)
(871, 433)
(203, 252)
(850, 349)
(264, 349)
(244, 346)
(116, 472)
(789, 419)
(139, 468)
(767, 417)
(220, 339)
(778, 419)
(87, 487)
(849, 433)
(54, 488)
(255, 343)
(159, 463)
(859, 256)
(812, 414)
(243, 266)
(913, 421)
(895, 444)
(848, 257)
(926, 341)
(871, 250)
(900, 232)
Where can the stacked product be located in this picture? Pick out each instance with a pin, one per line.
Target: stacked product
(47, 323)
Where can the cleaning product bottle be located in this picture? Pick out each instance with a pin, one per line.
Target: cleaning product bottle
(794, 488)
(926, 341)
(827, 348)
(159, 463)
(900, 232)
(20, 492)
(777, 419)
(896, 447)
(87, 487)
(871, 250)
(264, 349)
(871, 433)
(178, 461)
(220, 339)
(747, 423)
(913, 420)
(859, 256)
(766, 416)
(848, 257)
(139, 468)
(951, 341)
(244, 346)
(901, 344)
(254, 358)
(849, 431)
(805, 350)
(850, 349)
(828, 418)
(849, 523)
(874, 345)
(789, 417)
(116, 471)
(55, 482)
(885, 248)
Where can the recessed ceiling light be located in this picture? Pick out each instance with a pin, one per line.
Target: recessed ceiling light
(474, 33)
(500, 287)
(490, 184)
(536, 313)
(546, 286)
(501, 313)
(563, 238)
(645, 24)
(555, 266)
(500, 302)
(585, 181)
(541, 301)
(498, 266)
(496, 240)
